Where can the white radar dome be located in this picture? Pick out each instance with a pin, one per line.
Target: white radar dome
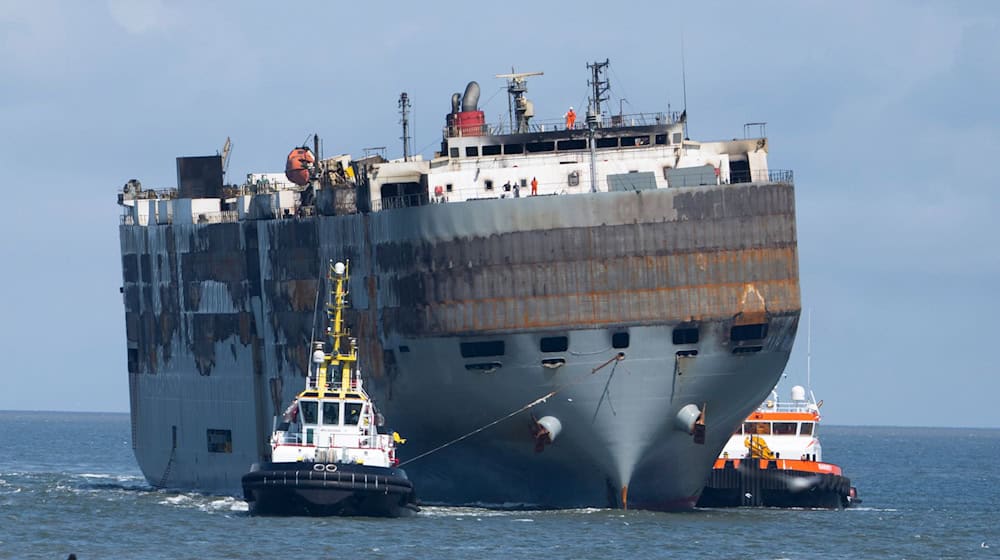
(318, 356)
(339, 269)
(798, 393)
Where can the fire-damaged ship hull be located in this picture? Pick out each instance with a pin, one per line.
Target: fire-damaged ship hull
(648, 315)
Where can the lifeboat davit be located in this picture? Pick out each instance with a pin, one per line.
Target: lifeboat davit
(297, 168)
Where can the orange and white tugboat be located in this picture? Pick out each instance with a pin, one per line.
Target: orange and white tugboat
(327, 456)
(775, 460)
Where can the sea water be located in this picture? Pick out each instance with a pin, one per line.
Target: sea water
(69, 484)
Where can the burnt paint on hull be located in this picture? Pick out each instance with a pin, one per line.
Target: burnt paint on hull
(213, 311)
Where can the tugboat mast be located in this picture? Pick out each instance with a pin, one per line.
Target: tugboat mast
(336, 359)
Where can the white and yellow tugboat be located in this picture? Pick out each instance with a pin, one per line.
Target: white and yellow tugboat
(775, 460)
(327, 456)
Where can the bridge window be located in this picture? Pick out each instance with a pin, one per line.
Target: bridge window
(453, 152)
(492, 150)
(331, 413)
(661, 138)
(566, 145)
(607, 143)
(472, 151)
(308, 410)
(807, 429)
(352, 413)
(534, 147)
(513, 148)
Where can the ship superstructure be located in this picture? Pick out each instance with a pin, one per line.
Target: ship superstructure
(650, 280)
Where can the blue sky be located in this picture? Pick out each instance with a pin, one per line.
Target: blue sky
(886, 111)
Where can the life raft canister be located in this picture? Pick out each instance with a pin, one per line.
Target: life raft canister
(300, 161)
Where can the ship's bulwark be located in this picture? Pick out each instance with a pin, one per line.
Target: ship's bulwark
(214, 311)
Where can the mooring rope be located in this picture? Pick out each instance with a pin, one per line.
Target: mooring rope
(617, 358)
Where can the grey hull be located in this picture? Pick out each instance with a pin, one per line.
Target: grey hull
(216, 313)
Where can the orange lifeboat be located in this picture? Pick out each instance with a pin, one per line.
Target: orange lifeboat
(300, 161)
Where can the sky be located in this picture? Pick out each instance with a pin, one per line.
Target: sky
(887, 111)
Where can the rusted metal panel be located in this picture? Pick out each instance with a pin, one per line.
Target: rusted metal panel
(654, 257)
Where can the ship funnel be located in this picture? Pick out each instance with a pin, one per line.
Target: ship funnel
(470, 100)
(798, 393)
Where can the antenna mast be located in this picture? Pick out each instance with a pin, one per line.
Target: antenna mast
(404, 109)
(809, 332)
(594, 113)
(684, 85)
(522, 108)
(600, 87)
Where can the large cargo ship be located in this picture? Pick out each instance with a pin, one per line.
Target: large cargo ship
(644, 283)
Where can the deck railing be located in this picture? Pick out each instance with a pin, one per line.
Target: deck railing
(550, 125)
(763, 176)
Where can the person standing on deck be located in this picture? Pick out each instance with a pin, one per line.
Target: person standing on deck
(534, 186)
(570, 118)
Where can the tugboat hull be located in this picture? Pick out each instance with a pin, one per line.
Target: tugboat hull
(764, 484)
(328, 489)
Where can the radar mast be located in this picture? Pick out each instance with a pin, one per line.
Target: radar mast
(521, 109)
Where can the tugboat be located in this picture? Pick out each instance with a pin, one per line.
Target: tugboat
(775, 460)
(327, 455)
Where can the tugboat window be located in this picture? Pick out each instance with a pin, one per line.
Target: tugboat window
(309, 410)
(352, 414)
(785, 428)
(331, 413)
(807, 429)
(220, 441)
(554, 344)
(757, 428)
(619, 340)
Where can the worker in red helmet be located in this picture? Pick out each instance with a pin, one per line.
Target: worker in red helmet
(570, 118)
